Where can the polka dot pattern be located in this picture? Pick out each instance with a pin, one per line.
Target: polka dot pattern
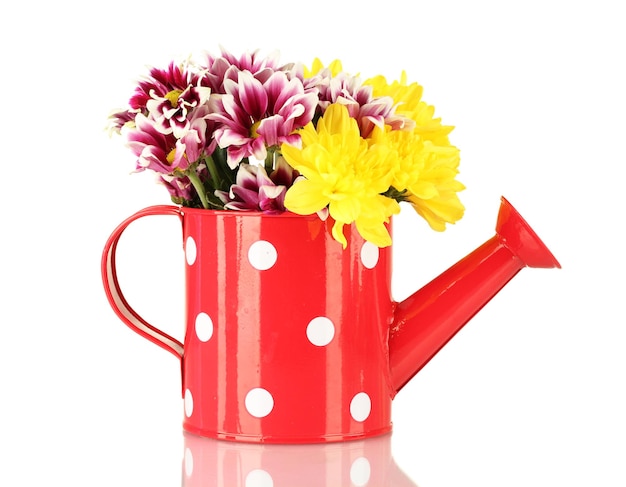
(360, 407)
(369, 255)
(262, 255)
(191, 251)
(313, 328)
(259, 402)
(204, 327)
(320, 331)
(188, 403)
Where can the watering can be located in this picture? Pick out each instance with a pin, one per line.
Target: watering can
(290, 338)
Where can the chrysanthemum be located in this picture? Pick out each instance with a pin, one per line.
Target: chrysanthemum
(425, 174)
(168, 91)
(173, 111)
(435, 195)
(409, 103)
(153, 149)
(253, 116)
(255, 190)
(164, 153)
(336, 86)
(217, 69)
(427, 163)
(179, 188)
(342, 172)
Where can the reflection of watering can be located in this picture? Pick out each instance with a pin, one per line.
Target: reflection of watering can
(213, 463)
(292, 339)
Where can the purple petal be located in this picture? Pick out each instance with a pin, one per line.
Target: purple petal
(247, 177)
(271, 129)
(252, 95)
(257, 149)
(247, 196)
(262, 179)
(283, 174)
(271, 199)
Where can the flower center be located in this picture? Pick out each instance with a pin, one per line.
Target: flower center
(172, 97)
(171, 155)
(253, 130)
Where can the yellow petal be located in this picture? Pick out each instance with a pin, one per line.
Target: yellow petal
(338, 234)
(345, 209)
(305, 197)
(374, 233)
(438, 211)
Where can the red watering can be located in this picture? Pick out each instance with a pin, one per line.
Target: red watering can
(292, 339)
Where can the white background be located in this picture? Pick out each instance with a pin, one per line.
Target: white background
(531, 392)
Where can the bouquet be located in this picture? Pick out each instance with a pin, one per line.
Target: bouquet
(249, 133)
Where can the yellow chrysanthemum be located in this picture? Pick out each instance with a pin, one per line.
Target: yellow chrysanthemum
(408, 97)
(334, 67)
(408, 149)
(434, 196)
(427, 163)
(428, 174)
(344, 173)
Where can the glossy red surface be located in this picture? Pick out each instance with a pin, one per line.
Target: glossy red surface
(286, 335)
(292, 339)
(428, 319)
(299, 330)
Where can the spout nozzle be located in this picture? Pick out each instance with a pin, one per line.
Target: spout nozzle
(428, 319)
(521, 239)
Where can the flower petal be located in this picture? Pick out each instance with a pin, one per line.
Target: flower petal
(252, 95)
(338, 234)
(305, 197)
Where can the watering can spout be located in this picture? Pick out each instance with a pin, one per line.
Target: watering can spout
(428, 319)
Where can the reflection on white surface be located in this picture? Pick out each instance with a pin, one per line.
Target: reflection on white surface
(218, 463)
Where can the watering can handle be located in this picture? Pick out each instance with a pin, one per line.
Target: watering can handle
(114, 294)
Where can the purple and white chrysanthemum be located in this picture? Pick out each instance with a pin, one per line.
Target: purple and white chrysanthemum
(253, 116)
(217, 69)
(179, 188)
(164, 85)
(367, 110)
(152, 148)
(198, 136)
(164, 153)
(160, 82)
(255, 190)
(173, 111)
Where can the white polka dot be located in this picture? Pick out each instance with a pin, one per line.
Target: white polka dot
(190, 250)
(259, 402)
(188, 403)
(188, 462)
(360, 407)
(320, 331)
(259, 478)
(369, 255)
(360, 472)
(204, 327)
(262, 255)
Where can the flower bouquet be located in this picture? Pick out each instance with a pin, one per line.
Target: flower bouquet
(249, 133)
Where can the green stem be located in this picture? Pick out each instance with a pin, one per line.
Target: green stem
(212, 168)
(199, 187)
(269, 162)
